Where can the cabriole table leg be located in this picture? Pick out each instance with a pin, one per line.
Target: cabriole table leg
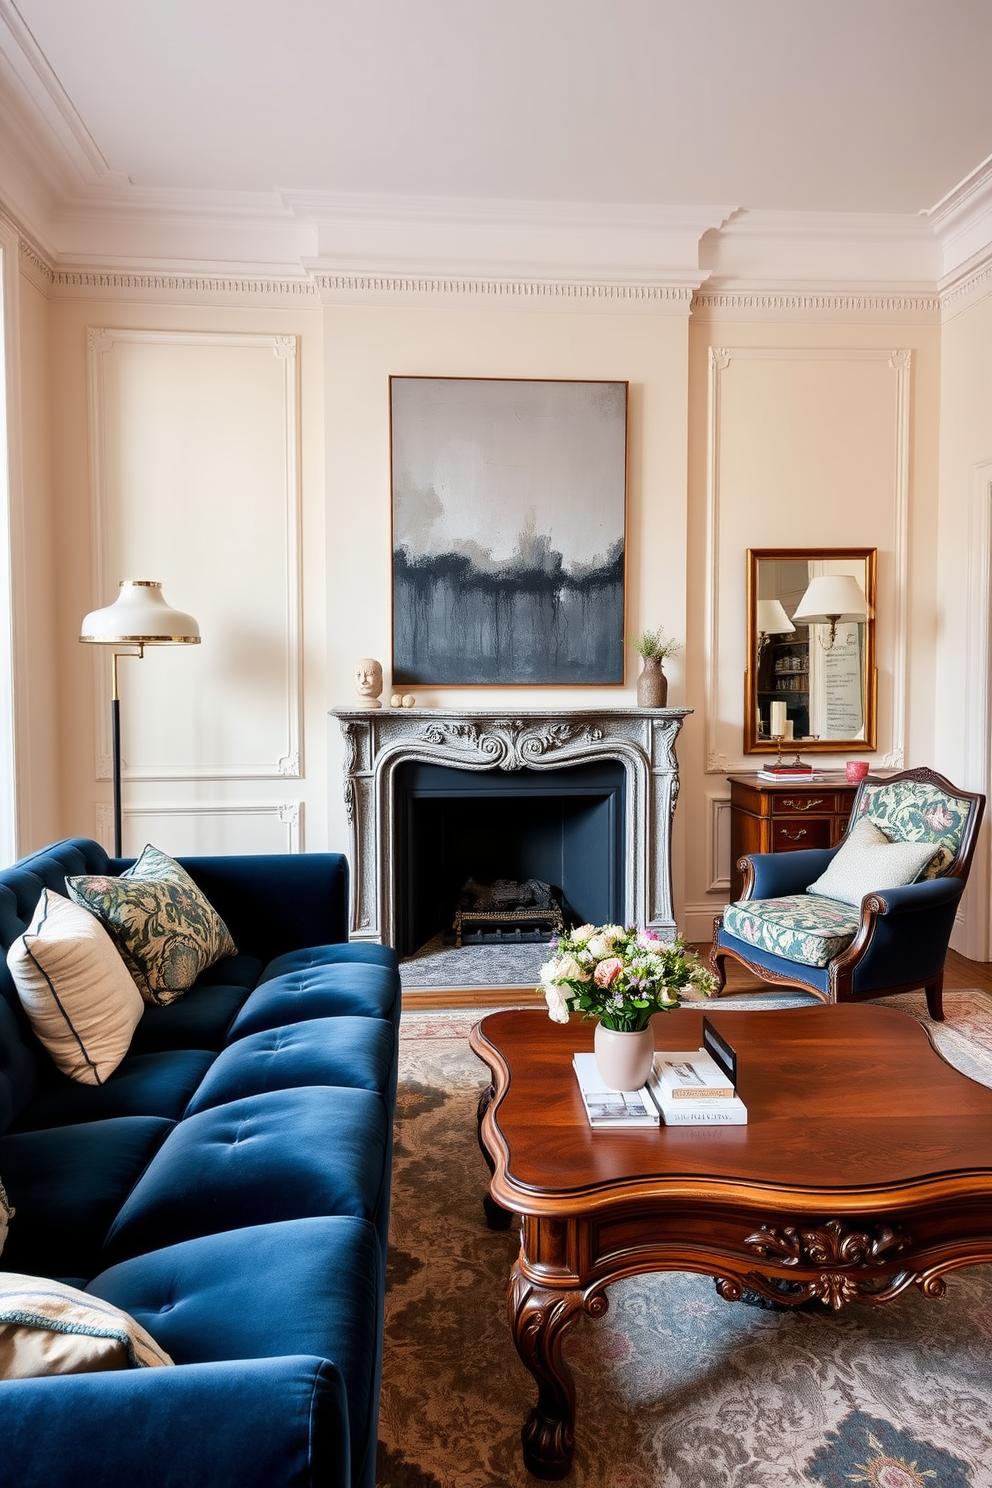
(539, 1319)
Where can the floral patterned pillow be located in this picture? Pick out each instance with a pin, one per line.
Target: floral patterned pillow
(164, 928)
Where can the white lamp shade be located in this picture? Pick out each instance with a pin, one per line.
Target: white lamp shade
(772, 619)
(140, 616)
(831, 599)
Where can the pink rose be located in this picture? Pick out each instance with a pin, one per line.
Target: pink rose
(607, 972)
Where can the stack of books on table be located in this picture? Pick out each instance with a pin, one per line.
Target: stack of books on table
(684, 1089)
(612, 1108)
(690, 1089)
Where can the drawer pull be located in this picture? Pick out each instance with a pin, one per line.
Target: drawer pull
(803, 803)
(794, 836)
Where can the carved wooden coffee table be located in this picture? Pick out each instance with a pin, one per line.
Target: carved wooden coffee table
(865, 1169)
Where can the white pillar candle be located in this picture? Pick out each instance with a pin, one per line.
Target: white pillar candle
(778, 720)
(789, 729)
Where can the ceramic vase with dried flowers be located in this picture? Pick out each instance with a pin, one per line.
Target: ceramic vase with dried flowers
(652, 646)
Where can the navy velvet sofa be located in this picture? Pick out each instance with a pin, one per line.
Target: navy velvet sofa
(228, 1187)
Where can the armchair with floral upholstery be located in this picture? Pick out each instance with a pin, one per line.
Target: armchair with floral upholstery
(871, 916)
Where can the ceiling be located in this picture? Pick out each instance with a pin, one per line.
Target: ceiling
(862, 106)
(865, 106)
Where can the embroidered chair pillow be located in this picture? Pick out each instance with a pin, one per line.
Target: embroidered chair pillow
(47, 1328)
(163, 926)
(867, 862)
(79, 996)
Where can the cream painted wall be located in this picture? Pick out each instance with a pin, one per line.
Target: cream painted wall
(963, 735)
(35, 582)
(185, 391)
(793, 439)
(808, 450)
(364, 346)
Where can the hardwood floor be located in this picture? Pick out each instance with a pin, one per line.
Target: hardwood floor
(958, 972)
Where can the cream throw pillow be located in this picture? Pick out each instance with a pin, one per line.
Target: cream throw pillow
(78, 994)
(867, 862)
(47, 1327)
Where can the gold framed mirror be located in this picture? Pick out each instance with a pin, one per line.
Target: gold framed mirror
(811, 647)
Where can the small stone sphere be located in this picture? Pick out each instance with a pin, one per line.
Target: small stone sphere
(408, 700)
(396, 701)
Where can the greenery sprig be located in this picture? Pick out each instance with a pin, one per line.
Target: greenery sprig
(655, 643)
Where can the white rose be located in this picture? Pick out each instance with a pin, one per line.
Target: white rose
(583, 932)
(557, 1006)
(569, 970)
(599, 947)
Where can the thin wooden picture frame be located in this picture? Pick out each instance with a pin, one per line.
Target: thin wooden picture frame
(509, 503)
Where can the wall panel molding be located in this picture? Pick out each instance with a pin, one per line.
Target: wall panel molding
(899, 363)
(286, 762)
(287, 814)
(719, 866)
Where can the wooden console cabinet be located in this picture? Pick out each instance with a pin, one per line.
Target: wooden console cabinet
(769, 816)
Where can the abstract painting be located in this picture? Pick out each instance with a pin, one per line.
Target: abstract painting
(508, 508)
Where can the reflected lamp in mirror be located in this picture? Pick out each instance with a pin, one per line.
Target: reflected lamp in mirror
(830, 600)
(828, 688)
(772, 621)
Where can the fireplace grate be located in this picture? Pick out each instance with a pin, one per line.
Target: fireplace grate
(507, 910)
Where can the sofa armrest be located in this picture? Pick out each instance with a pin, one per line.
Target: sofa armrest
(776, 874)
(260, 1423)
(277, 902)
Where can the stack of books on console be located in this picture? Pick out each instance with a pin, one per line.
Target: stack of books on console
(684, 1089)
(807, 774)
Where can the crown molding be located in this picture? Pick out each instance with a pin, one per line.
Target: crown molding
(481, 246)
(832, 251)
(960, 291)
(529, 294)
(814, 303)
(962, 221)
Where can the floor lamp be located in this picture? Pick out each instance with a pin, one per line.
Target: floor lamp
(138, 617)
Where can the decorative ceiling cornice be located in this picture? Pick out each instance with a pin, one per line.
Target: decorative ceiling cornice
(99, 283)
(661, 298)
(962, 290)
(771, 302)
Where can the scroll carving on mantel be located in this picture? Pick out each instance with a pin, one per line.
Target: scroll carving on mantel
(376, 743)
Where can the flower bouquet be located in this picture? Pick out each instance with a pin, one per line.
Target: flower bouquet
(622, 976)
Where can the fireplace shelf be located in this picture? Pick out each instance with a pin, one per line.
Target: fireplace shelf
(498, 744)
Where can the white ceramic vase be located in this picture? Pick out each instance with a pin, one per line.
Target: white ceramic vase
(623, 1059)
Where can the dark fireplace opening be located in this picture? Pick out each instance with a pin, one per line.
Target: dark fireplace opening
(561, 828)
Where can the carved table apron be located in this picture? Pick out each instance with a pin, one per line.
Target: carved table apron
(865, 1169)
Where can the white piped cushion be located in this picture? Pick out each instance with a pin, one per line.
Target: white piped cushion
(78, 994)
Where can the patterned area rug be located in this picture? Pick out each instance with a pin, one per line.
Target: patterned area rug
(675, 1388)
(441, 966)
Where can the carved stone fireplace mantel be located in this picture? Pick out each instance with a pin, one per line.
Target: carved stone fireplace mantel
(377, 741)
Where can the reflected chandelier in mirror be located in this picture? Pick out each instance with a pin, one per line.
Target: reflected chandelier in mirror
(811, 647)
